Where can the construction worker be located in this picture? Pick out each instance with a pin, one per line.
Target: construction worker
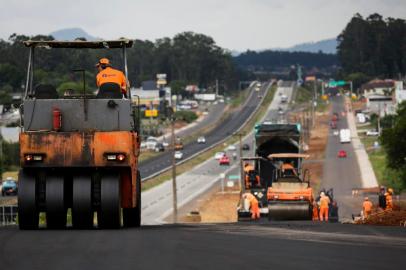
(389, 202)
(107, 74)
(252, 179)
(324, 204)
(248, 167)
(366, 207)
(255, 214)
(315, 212)
(382, 198)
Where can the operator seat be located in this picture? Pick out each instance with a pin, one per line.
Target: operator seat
(109, 90)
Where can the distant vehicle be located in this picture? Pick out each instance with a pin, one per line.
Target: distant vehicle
(178, 155)
(221, 100)
(257, 88)
(345, 136)
(245, 147)
(284, 98)
(224, 160)
(333, 124)
(219, 155)
(335, 117)
(159, 147)
(335, 133)
(178, 144)
(372, 132)
(342, 154)
(361, 118)
(280, 111)
(143, 144)
(205, 113)
(201, 139)
(259, 84)
(9, 187)
(151, 143)
(231, 147)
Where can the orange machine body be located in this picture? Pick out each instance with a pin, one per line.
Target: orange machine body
(85, 149)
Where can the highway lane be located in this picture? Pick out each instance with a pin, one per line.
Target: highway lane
(157, 202)
(227, 127)
(341, 174)
(284, 245)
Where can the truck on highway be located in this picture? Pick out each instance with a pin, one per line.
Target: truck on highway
(345, 135)
(283, 189)
(78, 151)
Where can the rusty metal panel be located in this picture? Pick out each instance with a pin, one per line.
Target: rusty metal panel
(78, 149)
(78, 114)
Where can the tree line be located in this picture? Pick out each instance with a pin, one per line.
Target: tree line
(187, 58)
(373, 47)
(269, 59)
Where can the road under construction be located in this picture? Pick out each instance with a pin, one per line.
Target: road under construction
(51, 188)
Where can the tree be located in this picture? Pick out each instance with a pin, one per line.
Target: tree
(394, 142)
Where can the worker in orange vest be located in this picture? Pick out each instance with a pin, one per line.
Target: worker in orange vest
(324, 203)
(255, 214)
(107, 74)
(388, 197)
(315, 211)
(367, 207)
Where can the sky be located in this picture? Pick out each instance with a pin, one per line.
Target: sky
(234, 24)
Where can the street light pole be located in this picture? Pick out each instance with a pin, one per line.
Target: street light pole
(174, 188)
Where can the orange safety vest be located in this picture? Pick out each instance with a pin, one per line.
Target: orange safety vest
(111, 75)
(367, 206)
(389, 203)
(324, 202)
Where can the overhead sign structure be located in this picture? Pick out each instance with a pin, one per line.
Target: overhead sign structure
(336, 83)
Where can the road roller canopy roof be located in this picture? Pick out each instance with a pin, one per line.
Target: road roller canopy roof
(79, 44)
(288, 155)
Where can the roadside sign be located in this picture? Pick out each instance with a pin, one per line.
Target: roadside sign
(151, 113)
(336, 83)
(234, 177)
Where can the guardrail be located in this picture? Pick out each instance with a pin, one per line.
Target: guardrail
(8, 214)
(217, 143)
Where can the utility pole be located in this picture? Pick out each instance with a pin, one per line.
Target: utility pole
(174, 188)
(240, 134)
(217, 88)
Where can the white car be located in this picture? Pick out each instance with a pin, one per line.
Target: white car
(231, 147)
(335, 133)
(219, 155)
(201, 139)
(178, 155)
(372, 133)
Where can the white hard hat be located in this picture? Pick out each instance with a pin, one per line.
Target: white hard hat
(322, 194)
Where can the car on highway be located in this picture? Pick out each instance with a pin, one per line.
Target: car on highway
(159, 147)
(245, 147)
(280, 111)
(9, 187)
(231, 147)
(372, 132)
(219, 155)
(224, 160)
(178, 155)
(201, 139)
(342, 154)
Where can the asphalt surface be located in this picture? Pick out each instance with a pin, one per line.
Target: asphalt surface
(227, 127)
(261, 245)
(221, 246)
(341, 174)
